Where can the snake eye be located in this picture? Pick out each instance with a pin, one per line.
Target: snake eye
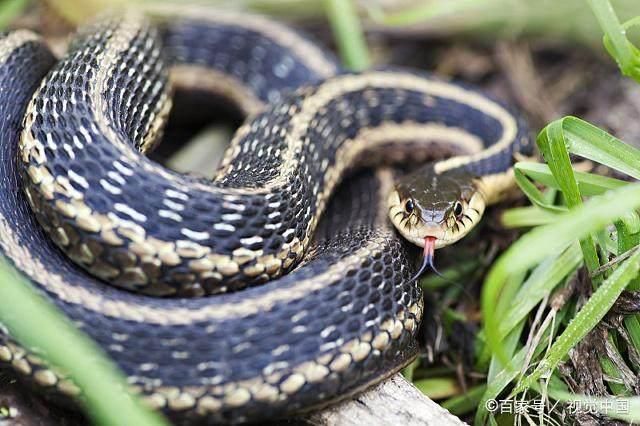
(457, 209)
(408, 206)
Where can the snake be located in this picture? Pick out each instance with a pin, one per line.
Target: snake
(286, 282)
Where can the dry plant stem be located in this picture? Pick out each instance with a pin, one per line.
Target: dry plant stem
(628, 378)
(536, 333)
(556, 302)
(614, 261)
(632, 352)
(516, 62)
(462, 60)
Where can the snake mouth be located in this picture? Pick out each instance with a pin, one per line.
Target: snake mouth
(433, 236)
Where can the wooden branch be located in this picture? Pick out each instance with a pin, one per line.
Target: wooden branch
(392, 402)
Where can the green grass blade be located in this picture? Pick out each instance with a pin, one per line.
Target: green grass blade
(499, 384)
(511, 340)
(627, 232)
(572, 135)
(36, 323)
(588, 141)
(465, 403)
(347, 30)
(540, 283)
(429, 10)
(537, 244)
(438, 387)
(516, 365)
(632, 227)
(10, 9)
(587, 318)
(632, 324)
(408, 371)
(510, 344)
(543, 279)
(534, 194)
(456, 273)
(521, 217)
(589, 184)
(626, 55)
(551, 142)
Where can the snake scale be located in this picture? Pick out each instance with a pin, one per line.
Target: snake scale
(274, 311)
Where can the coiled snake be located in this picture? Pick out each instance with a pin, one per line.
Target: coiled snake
(326, 308)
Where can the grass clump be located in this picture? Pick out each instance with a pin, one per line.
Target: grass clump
(587, 231)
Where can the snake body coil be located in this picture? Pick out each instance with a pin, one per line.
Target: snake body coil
(317, 331)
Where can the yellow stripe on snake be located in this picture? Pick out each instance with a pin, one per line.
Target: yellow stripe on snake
(268, 290)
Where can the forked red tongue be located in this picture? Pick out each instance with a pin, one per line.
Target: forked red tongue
(427, 258)
(429, 247)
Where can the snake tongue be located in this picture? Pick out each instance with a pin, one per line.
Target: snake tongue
(427, 257)
(429, 249)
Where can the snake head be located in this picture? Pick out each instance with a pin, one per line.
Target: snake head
(436, 208)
